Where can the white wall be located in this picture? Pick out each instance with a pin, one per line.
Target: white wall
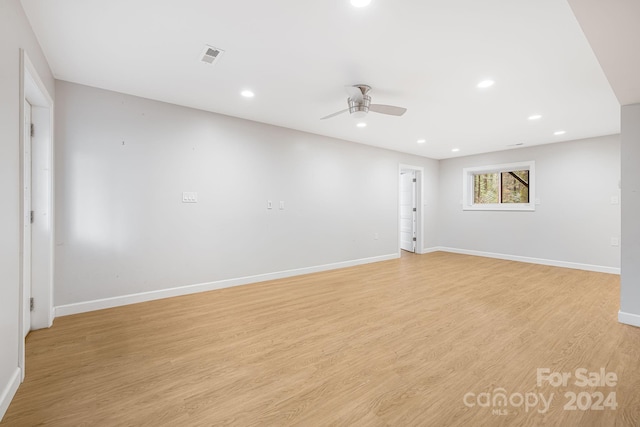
(430, 190)
(123, 162)
(573, 224)
(15, 33)
(630, 276)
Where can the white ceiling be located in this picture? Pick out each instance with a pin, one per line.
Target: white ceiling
(614, 34)
(297, 56)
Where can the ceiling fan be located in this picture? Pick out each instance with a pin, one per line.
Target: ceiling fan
(360, 104)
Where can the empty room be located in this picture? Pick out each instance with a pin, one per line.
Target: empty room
(341, 213)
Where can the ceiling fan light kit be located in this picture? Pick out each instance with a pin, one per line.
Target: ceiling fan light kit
(359, 109)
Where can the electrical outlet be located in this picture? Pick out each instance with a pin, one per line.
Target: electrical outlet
(189, 197)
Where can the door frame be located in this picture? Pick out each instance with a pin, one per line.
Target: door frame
(411, 187)
(33, 91)
(419, 206)
(25, 253)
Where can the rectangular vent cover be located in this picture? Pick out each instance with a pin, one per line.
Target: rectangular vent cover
(211, 54)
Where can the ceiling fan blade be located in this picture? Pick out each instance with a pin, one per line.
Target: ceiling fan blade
(334, 114)
(387, 109)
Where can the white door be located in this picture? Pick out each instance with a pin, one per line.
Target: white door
(26, 243)
(408, 210)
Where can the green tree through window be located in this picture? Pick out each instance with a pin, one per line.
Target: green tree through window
(501, 187)
(515, 187)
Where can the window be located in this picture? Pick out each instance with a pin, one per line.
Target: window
(499, 187)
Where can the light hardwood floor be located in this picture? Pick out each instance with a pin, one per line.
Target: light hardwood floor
(395, 343)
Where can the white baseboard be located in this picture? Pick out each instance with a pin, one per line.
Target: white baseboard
(530, 260)
(83, 307)
(9, 391)
(430, 250)
(629, 318)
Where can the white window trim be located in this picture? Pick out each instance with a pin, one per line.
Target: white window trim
(467, 187)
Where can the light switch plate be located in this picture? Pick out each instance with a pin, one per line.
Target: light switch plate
(189, 197)
(281, 205)
(269, 204)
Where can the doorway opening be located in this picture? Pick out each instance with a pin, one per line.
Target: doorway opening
(410, 224)
(36, 190)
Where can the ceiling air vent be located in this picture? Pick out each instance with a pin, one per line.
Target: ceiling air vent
(211, 54)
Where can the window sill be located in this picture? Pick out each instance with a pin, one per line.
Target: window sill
(515, 207)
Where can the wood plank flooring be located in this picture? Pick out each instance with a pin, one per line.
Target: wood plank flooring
(396, 343)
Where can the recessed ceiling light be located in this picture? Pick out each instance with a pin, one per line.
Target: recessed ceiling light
(360, 3)
(362, 125)
(247, 93)
(422, 141)
(535, 117)
(560, 132)
(486, 83)
(455, 150)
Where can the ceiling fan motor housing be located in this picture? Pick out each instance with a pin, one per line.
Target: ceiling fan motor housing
(359, 109)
